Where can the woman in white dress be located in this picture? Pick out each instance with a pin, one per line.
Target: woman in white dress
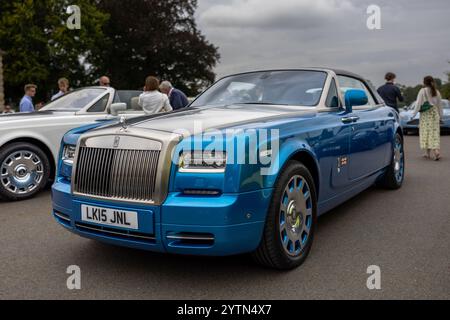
(151, 100)
(429, 129)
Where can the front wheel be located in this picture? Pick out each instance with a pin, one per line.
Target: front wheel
(395, 173)
(291, 220)
(24, 171)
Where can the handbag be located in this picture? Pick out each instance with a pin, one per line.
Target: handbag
(426, 105)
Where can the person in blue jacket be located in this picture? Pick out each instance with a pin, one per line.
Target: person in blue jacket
(390, 93)
(177, 98)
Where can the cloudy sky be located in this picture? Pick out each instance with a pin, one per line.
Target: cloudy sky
(252, 34)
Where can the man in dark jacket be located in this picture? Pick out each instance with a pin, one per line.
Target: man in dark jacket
(390, 92)
(177, 98)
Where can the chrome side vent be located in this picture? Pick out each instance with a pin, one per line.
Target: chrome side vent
(190, 239)
(116, 173)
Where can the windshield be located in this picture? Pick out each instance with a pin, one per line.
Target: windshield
(75, 100)
(296, 88)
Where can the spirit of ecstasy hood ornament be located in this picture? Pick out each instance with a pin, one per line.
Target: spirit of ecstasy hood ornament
(123, 122)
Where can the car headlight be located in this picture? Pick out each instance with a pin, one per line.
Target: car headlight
(69, 154)
(203, 161)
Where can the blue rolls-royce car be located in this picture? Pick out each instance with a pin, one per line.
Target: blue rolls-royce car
(410, 125)
(247, 168)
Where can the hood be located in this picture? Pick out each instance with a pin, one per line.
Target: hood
(32, 115)
(198, 119)
(407, 114)
(71, 137)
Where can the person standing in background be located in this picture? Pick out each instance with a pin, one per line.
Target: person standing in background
(177, 98)
(104, 81)
(8, 110)
(429, 104)
(390, 93)
(26, 104)
(63, 85)
(151, 100)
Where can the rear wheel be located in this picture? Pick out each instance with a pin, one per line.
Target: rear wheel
(291, 220)
(395, 174)
(24, 171)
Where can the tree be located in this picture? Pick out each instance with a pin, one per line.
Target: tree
(154, 37)
(445, 90)
(40, 48)
(410, 94)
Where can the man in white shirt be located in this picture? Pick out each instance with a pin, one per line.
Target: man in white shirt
(63, 85)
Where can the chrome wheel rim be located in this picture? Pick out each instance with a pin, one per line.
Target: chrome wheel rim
(21, 172)
(295, 219)
(399, 160)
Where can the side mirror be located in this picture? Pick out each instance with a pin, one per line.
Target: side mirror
(116, 108)
(355, 97)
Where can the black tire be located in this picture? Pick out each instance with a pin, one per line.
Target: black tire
(390, 179)
(9, 150)
(271, 252)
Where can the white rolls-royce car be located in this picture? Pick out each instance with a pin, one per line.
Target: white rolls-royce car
(29, 142)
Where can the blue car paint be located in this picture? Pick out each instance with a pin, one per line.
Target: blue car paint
(226, 216)
(236, 215)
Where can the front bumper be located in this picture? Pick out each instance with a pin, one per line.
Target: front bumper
(195, 225)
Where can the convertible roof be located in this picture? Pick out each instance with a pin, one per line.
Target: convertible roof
(346, 73)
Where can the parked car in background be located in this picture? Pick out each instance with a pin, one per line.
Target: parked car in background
(155, 184)
(412, 125)
(29, 142)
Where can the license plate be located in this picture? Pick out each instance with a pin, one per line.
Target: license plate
(110, 217)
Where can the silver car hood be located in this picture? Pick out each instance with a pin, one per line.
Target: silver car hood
(199, 119)
(35, 116)
(408, 114)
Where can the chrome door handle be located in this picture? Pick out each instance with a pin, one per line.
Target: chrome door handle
(347, 120)
(350, 119)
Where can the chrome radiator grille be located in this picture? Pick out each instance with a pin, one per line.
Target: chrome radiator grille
(116, 173)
